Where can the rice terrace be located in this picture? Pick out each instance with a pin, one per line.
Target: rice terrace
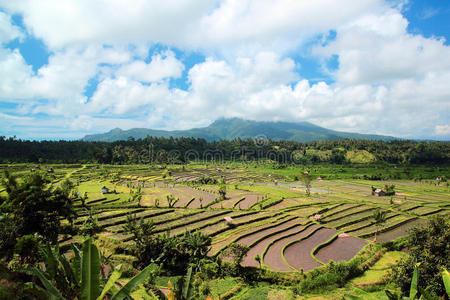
(292, 219)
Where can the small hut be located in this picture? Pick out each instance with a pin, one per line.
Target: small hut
(228, 220)
(316, 217)
(105, 190)
(380, 192)
(343, 235)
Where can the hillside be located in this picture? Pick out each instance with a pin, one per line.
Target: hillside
(228, 129)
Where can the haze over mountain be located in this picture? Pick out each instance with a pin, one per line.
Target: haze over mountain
(228, 129)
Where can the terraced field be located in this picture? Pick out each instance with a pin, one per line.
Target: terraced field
(295, 251)
(287, 229)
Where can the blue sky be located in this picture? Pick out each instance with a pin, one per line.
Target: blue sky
(78, 67)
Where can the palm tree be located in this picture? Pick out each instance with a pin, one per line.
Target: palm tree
(379, 217)
(258, 259)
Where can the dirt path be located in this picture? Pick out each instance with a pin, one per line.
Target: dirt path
(274, 258)
(341, 249)
(298, 254)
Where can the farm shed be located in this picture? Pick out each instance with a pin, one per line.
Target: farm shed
(380, 192)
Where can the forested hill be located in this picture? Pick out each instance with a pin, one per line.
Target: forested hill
(179, 150)
(229, 129)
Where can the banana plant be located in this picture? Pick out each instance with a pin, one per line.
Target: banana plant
(82, 276)
(446, 278)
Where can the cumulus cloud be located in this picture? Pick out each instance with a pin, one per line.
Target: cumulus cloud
(388, 81)
(66, 23)
(442, 130)
(377, 49)
(122, 95)
(8, 31)
(194, 24)
(162, 66)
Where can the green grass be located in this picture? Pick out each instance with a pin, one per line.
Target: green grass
(222, 285)
(376, 273)
(253, 293)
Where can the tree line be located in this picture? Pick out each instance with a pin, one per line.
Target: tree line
(181, 150)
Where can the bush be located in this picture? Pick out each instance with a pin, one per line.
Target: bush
(429, 246)
(27, 247)
(326, 281)
(333, 275)
(395, 245)
(206, 180)
(175, 253)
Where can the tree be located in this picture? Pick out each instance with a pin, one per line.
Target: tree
(173, 252)
(171, 200)
(195, 245)
(337, 156)
(306, 179)
(429, 246)
(35, 206)
(258, 259)
(389, 189)
(237, 252)
(379, 217)
(223, 192)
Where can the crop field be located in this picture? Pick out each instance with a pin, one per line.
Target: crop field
(266, 209)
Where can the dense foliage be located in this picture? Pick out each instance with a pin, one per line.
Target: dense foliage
(32, 206)
(174, 253)
(429, 246)
(178, 150)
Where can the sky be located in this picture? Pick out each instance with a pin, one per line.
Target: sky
(75, 67)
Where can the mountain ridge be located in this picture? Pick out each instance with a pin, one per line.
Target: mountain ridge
(231, 128)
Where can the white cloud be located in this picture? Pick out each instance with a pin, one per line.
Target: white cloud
(377, 49)
(122, 95)
(210, 25)
(162, 66)
(388, 80)
(62, 81)
(442, 130)
(8, 31)
(14, 76)
(65, 23)
(12, 117)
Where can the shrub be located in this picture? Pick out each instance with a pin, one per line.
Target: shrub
(27, 247)
(206, 180)
(429, 246)
(326, 281)
(173, 252)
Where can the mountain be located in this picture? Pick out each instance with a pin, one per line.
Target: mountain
(228, 129)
